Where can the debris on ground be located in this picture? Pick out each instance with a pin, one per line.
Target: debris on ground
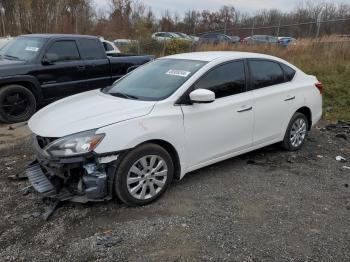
(346, 167)
(342, 135)
(340, 159)
(107, 241)
(338, 125)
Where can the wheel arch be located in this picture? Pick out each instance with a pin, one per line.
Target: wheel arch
(307, 112)
(28, 82)
(172, 151)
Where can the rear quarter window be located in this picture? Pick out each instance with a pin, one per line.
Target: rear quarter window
(288, 72)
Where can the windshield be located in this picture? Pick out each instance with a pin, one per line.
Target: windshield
(155, 81)
(22, 48)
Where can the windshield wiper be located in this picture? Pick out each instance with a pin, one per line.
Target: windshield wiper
(123, 95)
(12, 57)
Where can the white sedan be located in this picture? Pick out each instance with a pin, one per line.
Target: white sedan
(167, 118)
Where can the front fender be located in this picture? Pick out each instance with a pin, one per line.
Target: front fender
(22, 79)
(129, 134)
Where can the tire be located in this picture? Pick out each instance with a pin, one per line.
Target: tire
(134, 178)
(17, 104)
(292, 141)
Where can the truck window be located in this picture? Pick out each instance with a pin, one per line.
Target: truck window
(107, 46)
(63, 51)
(91, 49)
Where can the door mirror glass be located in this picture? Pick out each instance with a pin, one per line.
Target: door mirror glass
(202, 96)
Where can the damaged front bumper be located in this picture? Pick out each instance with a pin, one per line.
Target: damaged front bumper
(79, 179)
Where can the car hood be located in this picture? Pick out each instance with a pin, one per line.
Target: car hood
(86, 111)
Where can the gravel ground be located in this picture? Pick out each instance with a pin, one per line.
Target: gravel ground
(268, 205)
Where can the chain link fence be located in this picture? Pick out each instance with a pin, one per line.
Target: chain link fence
(337, 30)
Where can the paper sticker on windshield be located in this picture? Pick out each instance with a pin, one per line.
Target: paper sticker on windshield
(32, 48)
(174, 72)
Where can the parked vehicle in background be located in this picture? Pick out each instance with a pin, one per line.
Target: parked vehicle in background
(4, 41)
(37, 69)
(195, 38)
(260, 39)
(235, 39)
(165, 36)
(124, 42)
(216, 38)
(286, 41)
(184, 36)
(110, 48)
(157, 124)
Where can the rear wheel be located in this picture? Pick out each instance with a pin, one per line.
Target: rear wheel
(17, 104)
(296, 132)
(143, 175)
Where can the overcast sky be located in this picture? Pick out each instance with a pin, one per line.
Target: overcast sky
(181, 6)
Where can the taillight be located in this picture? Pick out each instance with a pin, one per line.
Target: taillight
(319, 87)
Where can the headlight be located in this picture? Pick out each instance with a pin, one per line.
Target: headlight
(76, 144)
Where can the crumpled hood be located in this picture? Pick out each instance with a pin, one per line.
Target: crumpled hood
(86, 111)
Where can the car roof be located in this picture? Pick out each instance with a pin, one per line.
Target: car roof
(59, 36)
(213, 55)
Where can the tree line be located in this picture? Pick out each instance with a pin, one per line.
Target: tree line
(133, 19)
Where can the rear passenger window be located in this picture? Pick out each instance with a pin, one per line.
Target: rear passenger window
(288, 72)
(265, 73)
(225, 80)
(92, 49)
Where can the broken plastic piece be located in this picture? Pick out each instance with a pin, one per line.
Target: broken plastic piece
(50, 209)
(340, 159)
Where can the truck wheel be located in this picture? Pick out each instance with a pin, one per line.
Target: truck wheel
(17, 104)
(143, 175)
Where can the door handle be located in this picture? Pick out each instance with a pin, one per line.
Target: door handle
(289, 98)
(245, 109)
(81, 67)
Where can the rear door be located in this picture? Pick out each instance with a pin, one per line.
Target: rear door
(275, 100)
(225, 126)
(98, 71)
(64, 71)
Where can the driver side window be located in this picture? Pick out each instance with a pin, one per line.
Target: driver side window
(224, 80)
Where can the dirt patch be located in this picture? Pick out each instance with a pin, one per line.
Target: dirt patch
(268, 205)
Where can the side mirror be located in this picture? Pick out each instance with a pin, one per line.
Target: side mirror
(202, 96)
(46, 61)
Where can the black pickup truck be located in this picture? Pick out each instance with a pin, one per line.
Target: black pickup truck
(38, 69)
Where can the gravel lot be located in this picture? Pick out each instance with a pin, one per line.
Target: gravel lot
(268, 205)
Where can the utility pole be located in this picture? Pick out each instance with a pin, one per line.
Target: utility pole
(2, 11)
(76, 20)
(252, 32)
(278, 28)
(318, 21)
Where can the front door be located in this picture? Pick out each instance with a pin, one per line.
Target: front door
(224, 126)
(63, 71)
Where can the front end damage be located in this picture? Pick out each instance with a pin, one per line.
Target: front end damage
(82, 179)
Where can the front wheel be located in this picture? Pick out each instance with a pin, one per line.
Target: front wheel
(17, 104)
(296, 132)
(143, 175)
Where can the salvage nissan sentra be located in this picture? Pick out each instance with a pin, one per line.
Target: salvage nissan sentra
(165, 119)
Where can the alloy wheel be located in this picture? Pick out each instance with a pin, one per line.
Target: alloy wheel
(147, 177)
(298, 132)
